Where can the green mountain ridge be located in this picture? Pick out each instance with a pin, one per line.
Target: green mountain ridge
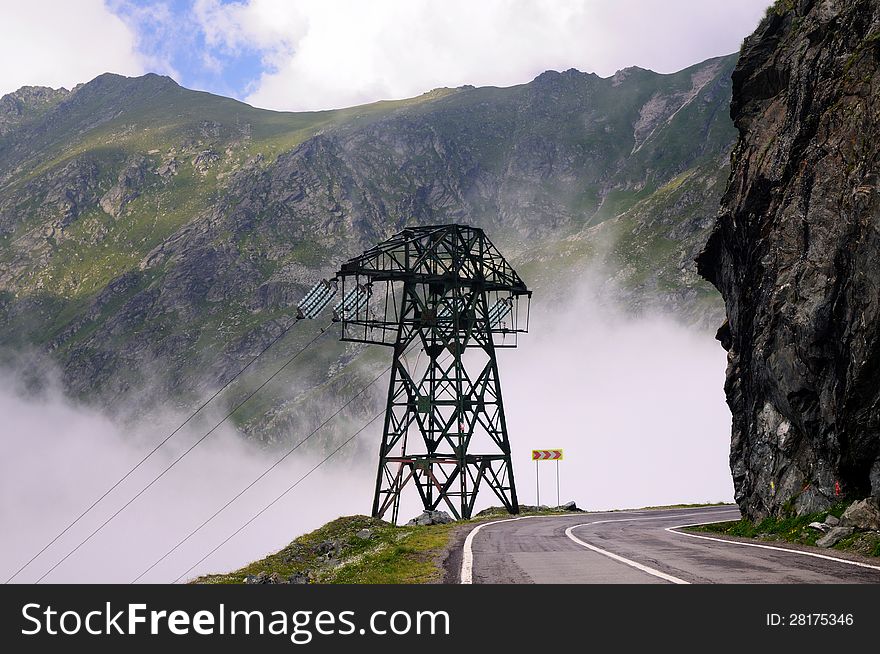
(153, 238)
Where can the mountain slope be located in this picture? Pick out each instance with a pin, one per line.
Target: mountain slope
(154, 238)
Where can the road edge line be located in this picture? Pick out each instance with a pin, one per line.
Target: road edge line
(672, 530)
(466, 572)
(621, 559)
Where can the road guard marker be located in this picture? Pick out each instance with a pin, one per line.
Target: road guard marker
(546, 455)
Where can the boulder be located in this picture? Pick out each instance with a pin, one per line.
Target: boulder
(569, 506)
(261, 578)
(821, 526)
(832, 520)
(834, 536)
(431, 518)
(298, 578)
(863, 514)
(329, 549)
(364, 534)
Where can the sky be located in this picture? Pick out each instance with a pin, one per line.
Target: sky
(320, 54)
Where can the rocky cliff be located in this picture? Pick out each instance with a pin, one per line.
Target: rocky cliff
(795, 256)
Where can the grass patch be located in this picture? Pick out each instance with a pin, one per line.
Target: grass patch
(779, 8)
(410, 558)
(336, 554)
(793, 529)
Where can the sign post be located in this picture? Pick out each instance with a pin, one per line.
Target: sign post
(546, 455)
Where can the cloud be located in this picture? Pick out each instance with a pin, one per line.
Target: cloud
(49, 43)
(57, 457)
(636, 402)
(318, 54)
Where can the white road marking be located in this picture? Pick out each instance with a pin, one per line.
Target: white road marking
(467, 562)
(466, 573)
(672, 530)
(629, 562)
(633, 564)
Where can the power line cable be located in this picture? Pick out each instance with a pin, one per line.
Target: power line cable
(190, 449)
(292, 486)
(156, 448)
(262, 475)
(282, 495)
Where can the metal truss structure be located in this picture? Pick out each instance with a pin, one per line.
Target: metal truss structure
(445, 299)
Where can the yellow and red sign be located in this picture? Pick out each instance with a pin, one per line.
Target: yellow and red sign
(546, 455)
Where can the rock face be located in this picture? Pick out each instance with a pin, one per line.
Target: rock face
(795, 256)
(27, 103)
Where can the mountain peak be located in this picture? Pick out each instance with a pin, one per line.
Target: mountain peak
(623, 74)
(26, 103)
(114, 92)
(106, 81)
(554, 77)
(29, 93)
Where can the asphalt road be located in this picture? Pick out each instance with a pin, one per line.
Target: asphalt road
(640, 547)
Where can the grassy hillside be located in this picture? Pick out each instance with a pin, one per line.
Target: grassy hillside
(153, 238)
(353, 549)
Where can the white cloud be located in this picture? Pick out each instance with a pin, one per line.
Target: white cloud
(50, 43)
(262, 24)
(57, 457)
(636, 402)
(321, 54)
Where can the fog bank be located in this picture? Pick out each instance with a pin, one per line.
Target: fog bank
(57, 458)
(637, 403)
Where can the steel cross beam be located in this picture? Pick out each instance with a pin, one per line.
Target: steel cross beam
(445, 431)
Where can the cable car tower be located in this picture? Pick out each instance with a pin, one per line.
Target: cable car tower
(445, 299)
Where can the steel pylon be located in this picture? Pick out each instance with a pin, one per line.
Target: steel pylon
(445, 300)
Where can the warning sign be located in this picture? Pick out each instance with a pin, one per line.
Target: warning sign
(546, 455)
